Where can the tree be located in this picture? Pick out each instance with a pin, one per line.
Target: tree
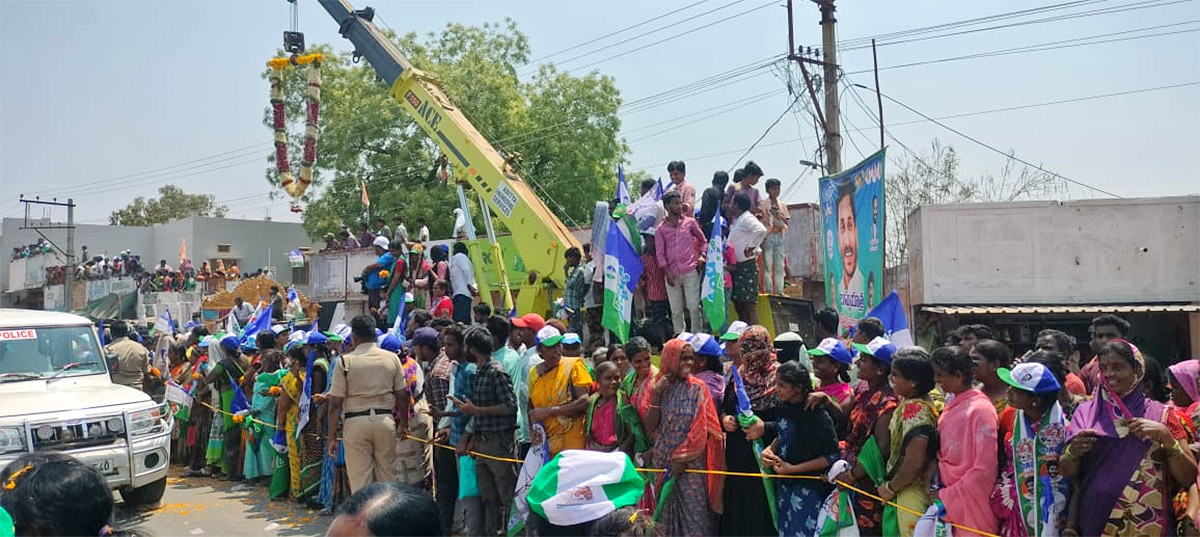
(933, 178)
(560, 130)
(173, 203)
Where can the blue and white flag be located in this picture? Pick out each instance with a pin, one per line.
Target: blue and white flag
(622, 270)
(306, 394)
(164, 324)
(891, 312)
(260, 322)
(623, 197)
(659, 190)
(712, 288)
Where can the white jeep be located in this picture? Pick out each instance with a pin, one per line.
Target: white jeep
(56, 395)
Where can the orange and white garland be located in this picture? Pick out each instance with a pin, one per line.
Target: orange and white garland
(296, 187)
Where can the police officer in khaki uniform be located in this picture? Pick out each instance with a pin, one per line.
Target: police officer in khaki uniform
(133, 361)
(367, 383)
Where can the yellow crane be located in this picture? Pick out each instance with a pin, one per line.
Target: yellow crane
(540, 236)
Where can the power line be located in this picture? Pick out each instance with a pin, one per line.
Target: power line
(1053, 45)
(610, 34)
(678, 35)
(764, 134)
(651, 32)
(989, 146)
(966, 114)
(1145, 4)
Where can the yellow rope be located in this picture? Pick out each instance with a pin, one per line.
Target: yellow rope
(689, 470)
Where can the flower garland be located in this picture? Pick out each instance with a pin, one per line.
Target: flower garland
(296, 187)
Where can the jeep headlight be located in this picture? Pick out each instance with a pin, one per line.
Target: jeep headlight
(12, 439)
(146, 422)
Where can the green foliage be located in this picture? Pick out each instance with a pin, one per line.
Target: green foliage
(563, 129)
(173, 203)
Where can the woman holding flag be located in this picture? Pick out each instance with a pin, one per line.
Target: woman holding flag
(687, 435)
(747, 507)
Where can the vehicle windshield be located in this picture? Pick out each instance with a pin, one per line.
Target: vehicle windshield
(44, 351)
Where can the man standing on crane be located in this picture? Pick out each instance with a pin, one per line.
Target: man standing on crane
(462, 283)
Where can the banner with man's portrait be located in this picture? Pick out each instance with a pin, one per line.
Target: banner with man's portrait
(852, 222)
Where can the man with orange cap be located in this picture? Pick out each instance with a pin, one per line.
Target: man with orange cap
(526, 328)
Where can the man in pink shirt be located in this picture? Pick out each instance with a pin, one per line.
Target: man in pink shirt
(967, 461)
(678, 172)
(680, 249)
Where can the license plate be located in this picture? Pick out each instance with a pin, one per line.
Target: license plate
(105, 467)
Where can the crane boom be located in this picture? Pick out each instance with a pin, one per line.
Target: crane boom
(540, 236)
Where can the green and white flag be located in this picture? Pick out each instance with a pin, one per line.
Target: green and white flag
(712, 288)
(579, 486)
(622, 269)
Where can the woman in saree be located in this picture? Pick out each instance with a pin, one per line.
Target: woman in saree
(914, 440)
(1032, 496)
(1125, 452)
(747, 511)
(868, 436)
(260, 456)
(641, 370)
(687, 435)
(312, 442)
(288, 412)
(395, 286)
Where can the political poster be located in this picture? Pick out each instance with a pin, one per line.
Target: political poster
(852, 222)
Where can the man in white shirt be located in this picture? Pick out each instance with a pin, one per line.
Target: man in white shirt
(242, 311)
(462, 283)
(745, 235)
(851, 303)
(422, 231)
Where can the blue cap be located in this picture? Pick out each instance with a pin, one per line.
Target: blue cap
(390, 343)
(230, 343)
(706, 345)
(316, 338)
(1030, 377)
(835, 349)
(880, 348)
(571, 338)
(425, 337)
(205, 341)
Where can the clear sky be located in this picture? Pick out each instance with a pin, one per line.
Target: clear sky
(99, 90)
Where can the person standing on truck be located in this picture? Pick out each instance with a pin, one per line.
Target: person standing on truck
(373, 273)
(277, 304)
(462, 283)
(680, 249)
(133, 362)
(677, 170)
(366, 384)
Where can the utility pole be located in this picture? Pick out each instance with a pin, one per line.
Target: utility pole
(38, 227)
(69, 274)
(833, 137)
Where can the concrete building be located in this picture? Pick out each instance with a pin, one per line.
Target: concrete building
(1021, 267)
(250, 244)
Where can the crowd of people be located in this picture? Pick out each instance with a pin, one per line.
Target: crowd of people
(997, 444)
(432, 397)
(349, 239)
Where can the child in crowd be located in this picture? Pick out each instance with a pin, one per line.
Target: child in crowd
(805, 444)
(606, 430)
